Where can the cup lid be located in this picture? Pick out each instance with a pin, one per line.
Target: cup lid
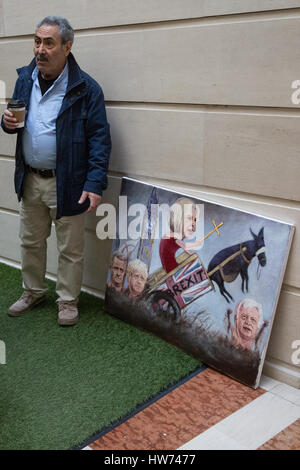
(16, 104)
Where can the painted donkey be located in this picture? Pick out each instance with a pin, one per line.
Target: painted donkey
(228, 263)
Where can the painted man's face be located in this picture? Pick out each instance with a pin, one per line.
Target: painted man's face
(118, 270)
(136, 282)
(247, 322)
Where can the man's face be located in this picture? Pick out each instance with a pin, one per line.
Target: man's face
(50, 53)
(247, 322)
(118, 270)
(136, 282)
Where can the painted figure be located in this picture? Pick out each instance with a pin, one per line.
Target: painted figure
(136, 277)
(183, 219)
(117, 271)
(235, 260)
(248, 324)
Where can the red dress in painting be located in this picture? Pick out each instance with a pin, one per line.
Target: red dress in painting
(167, 250)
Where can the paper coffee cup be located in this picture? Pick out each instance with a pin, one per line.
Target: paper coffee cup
(17, 107)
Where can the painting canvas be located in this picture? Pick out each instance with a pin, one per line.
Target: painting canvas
(200, 275)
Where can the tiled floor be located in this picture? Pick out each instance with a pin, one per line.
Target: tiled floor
(212, 411)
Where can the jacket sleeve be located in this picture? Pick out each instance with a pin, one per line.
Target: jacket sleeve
(14, 97)
(99, 143)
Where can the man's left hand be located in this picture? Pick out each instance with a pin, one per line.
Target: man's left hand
(95, 200)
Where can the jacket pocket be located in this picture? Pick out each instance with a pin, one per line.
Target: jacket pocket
(73, 196)
(79, 126)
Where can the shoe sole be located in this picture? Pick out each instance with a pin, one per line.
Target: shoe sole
(23, 312)
(67, 322)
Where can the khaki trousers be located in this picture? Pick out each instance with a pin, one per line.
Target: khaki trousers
(38, 211)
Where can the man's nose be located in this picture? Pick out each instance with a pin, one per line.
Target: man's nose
(40, 49)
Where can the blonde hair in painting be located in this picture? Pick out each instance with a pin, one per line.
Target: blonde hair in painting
(177, 211)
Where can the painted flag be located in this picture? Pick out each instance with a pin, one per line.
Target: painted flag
(188, 283)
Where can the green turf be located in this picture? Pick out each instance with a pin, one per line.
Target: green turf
(62, 384)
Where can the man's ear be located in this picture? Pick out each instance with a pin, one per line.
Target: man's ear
(68, 47)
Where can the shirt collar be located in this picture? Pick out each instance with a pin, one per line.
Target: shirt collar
(63, 75)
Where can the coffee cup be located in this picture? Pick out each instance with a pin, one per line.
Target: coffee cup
(17, 107)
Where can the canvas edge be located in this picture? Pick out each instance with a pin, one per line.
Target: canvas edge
(210, 201)
(283, 269)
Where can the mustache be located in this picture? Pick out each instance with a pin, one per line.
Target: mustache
(42, 57)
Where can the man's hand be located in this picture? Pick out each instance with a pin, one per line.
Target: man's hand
(95, 200)
(10, 122)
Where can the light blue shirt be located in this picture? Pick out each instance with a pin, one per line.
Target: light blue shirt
(39, 136)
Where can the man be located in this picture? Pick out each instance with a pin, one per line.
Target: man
(136, 277)
(117, 271)
(61, 164)
(248, 324)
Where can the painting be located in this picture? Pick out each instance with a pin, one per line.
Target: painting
(200, 275)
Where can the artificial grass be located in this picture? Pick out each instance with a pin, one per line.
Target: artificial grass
(60, 385)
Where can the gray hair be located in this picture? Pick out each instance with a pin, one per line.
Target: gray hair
(137, 265)
(119, 255)
(250, 303)
(66, 31)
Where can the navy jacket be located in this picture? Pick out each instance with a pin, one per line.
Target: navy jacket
(83, 141)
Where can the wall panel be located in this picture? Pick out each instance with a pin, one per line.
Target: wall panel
(286, 327)
(248, 152)
(253, 153)
(234, 63)
(7, 141)
(9, 241)
(8, 197)
(163, 143)
(251, 63)
(94, 13)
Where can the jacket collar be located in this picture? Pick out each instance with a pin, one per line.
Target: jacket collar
(75, 75)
